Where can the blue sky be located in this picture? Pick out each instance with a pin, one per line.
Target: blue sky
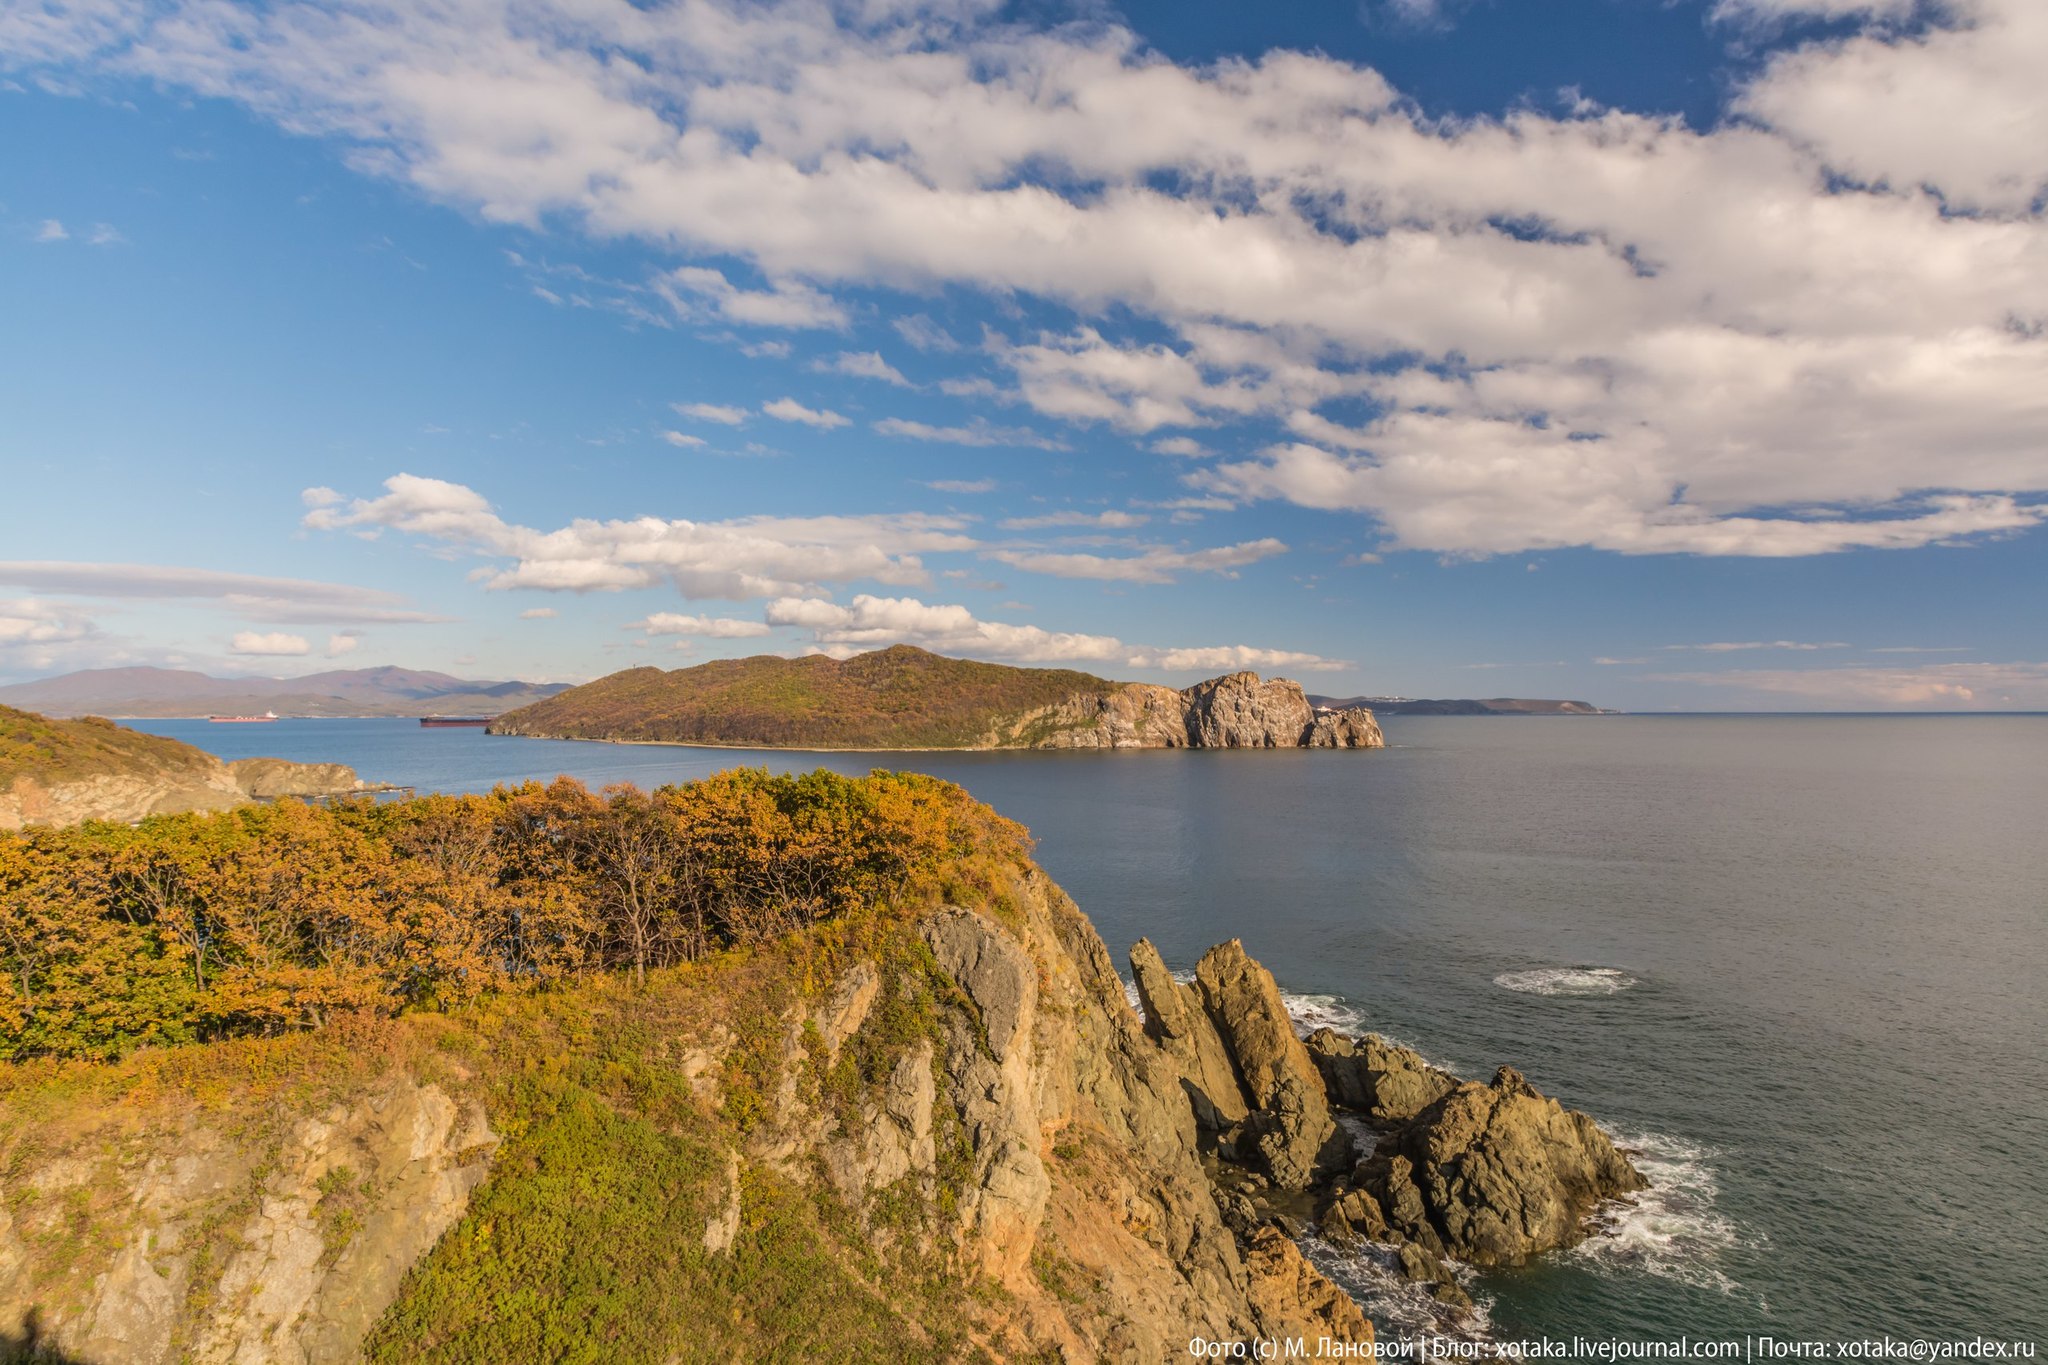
(1682, 355)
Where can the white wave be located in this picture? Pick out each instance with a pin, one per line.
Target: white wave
(1311, 1012)
(1671, 1230)
(1566, 981)
(1398, 1306)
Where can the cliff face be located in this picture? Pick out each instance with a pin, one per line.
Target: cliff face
(970, 1085)
(1237, 711)
(126, 797)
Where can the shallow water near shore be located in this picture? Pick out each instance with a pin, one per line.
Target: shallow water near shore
(1799, 964)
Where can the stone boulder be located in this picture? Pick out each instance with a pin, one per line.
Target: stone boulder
(1386, 1082)
(1291, 1131)
(1175, 1019)
(1293, 1300)
(1352, 728)
(1495, 1174)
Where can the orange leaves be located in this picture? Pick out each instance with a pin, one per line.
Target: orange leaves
(272, 918)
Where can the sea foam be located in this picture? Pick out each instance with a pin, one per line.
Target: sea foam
(1566, 981)
(1671, 1230)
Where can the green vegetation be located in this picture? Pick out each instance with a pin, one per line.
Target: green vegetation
(895, 698)
(268, 919)
(49, 751)
(554, 955)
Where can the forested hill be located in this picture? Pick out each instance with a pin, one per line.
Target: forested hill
(896, 698)
(52, 751)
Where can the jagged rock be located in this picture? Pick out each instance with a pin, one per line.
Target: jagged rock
(1352, 1216)
(1495, 1174)
(1290, 1130)
(1351, 728)
(1238, 711)
(894, 1137)
(1385, 1081)
(990, 967)
(1293, 1299)
(842, 1014)
(270, 778)
(1175, 1019)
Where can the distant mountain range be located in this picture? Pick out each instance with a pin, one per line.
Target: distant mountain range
(160, 693)
(1464, 706)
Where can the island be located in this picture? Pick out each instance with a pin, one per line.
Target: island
(903, 697)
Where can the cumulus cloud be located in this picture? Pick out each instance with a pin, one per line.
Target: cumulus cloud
(1821, 325)
(268, 643)
(690, 290)
(25, 621)
(706, 627)
(682, 439)
(745, 558)
(712, 412)
(871, 622)
(863, 365)
(52, 231)
(789, 410)
(338, 645)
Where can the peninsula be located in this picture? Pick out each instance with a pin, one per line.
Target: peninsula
(62, 772)
(908, 698)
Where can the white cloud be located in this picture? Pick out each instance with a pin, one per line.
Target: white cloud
(337, 645)
(977, 432)
(52, 231)
(1180, 445)
(871, 622)
(863, 365)
(538, 614)
(1155, 564)
(921, 332)
(281, 601)
(785, 303)
(789, 410)
(1111, 520)
(268, 643)
(25, 621)
(681, 439)
(1776, 336)
(712, 412)
(707, 627)
(105, 234)
(748, 557)
(961, 485)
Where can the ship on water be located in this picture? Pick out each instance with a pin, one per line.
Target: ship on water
(436, 722)
(263, 719)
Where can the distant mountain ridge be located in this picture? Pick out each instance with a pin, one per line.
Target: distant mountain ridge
(903, 697)
(1464, 706)
(160, 693)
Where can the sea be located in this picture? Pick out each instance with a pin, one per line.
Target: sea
(1798, 964)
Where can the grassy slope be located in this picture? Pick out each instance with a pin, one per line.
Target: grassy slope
(900, 697)
(65, 750)
(584, 1245)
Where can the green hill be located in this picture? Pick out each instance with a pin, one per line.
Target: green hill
(52, 751)
(895, 698)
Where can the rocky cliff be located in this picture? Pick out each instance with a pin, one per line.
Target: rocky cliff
(937, 1137)
(62, 772)
(1237, 711)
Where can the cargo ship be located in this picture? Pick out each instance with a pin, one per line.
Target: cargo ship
(263, 719)
(437, 722)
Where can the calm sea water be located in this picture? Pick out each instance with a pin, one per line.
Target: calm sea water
(1800, 962)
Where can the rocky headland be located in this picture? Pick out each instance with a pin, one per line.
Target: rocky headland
(64, 772)
(995, 1157)
(908, 698)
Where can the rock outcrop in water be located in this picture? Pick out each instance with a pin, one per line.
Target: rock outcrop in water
(1485, 1175)
(1236, 711)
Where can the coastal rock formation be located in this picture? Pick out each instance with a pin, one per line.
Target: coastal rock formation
(1236, 711)
(1176, 1020)
(1495, 1174)
(64, 772)
(1384, 1081)
(297, 1250)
